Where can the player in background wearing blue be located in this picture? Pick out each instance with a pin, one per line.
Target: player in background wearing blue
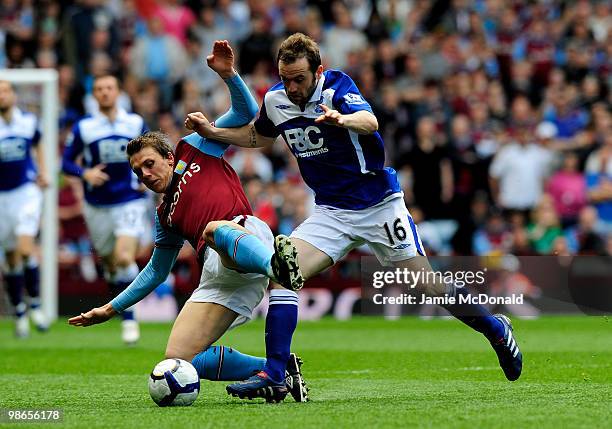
(205, 204)
(115, 205)
(21, 180)
(331, 130)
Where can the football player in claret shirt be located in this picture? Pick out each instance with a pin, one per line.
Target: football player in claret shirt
(115, 205)
(204, 203)
(331, 130)
(21, 200)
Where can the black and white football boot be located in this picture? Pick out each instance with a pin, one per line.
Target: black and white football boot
(296, 385)
(285, 264)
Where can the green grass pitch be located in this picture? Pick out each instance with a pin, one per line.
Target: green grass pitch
(366, 372)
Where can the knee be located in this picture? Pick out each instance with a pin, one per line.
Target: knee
(26, 253)
(14, 261)
(25, 249)
(173, 352)
(209, 232)
(123, 259)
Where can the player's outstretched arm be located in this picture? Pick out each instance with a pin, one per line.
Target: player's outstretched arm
(243, 106)
(361, 122)
(151, 276)
(231, 127)
(221, 59)
(246, 136)
(94, 316)
(148, 279)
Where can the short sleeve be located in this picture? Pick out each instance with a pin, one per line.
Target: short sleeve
(263, 124)
(347, 98)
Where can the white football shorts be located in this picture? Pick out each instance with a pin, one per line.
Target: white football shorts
(387, 228)
(21, 209)
(240, 292)
(105, 223)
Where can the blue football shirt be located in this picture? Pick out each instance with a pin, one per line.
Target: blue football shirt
(345, 169)
(101, 141)
(17, 138)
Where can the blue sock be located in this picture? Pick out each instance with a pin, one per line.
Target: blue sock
(245, 249)
(14, 284)
(32, 283)
(224, 363)
(84, 246)
(280, 325)
(476, 316)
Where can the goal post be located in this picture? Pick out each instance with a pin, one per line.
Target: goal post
(49, 107)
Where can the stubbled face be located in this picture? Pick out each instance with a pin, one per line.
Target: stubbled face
(154, 170)
(106, 91)
(7, 96)
(299, 81)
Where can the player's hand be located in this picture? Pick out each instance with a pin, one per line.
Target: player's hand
(197, 122)
(331, 117)
(95, 175)
(93, 316)
(221, 59)
(42, 181)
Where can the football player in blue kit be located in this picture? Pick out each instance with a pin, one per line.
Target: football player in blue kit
(21, 180)
(115, 205)
(331, 130)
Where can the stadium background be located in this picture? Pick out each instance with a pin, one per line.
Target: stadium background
(454, 84)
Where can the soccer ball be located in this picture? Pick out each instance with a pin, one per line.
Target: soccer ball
(174, 382)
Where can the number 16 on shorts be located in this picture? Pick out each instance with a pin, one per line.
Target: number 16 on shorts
(402, 233)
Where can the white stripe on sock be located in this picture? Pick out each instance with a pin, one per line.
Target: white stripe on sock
(285, 293)
(284, 303)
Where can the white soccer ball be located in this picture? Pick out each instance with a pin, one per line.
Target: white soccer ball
(174, 382)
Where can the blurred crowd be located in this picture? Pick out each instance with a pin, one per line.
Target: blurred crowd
(496, 114)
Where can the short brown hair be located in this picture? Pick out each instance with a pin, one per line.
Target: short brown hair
(154, 139)
(298, 46)
(106, 75)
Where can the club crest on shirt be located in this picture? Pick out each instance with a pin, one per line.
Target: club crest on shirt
(353, 99)
(180, 167)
